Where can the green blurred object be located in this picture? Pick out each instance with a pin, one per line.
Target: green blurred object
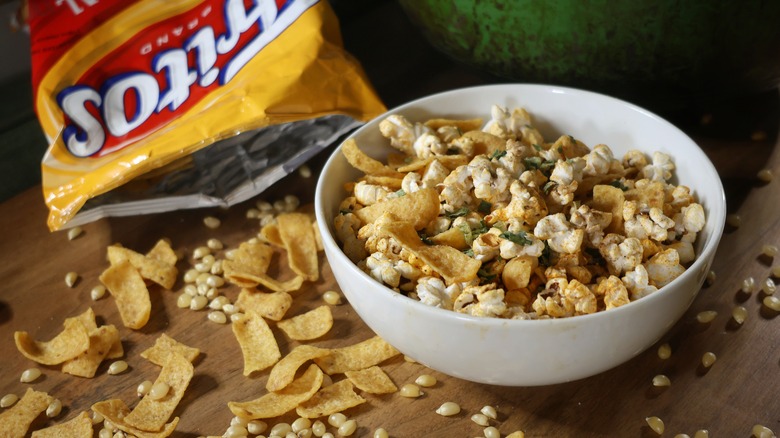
(660, 53)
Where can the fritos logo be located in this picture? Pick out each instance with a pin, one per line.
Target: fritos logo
(174, 64)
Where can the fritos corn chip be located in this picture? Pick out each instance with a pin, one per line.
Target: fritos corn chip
(164, 346)
(309, 325)
(284, 371)
(272, 306)
(452, 264)
(163, 252)
(123, 89)
(68, 344)
(362, 162)
(151, 414)
(250, 261)
(357, 356)
(15, 421)
(419, 208)
(372, 380)
(329, 400)
(115, 411)
(285, 400)
(270, 233)
(150, 268)
(298, 237)
(257, 342)
(101, 341)
(79, 426)
(130, 294)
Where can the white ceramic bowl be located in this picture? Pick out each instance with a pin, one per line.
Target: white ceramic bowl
(529, 352)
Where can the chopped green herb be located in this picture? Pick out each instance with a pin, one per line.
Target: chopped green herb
(484, 207)
(497, 154)
(560, 149)
(537, 147)
(532, 162)
(519, 238)
(400, 192)
(458, 213)
(485, 276)
(469, 252)
(544, 259)
(345, 211)
(548, 187)
(481, 229)
(618, 184)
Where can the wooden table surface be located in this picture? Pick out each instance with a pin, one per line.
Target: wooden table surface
(740, 390)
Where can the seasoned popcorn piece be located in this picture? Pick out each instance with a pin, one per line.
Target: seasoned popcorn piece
(594, 223)
(654, 225)
(512, 159)
(533, 178)
(693, 218)
(661, 169)
(491, 183)
(483, 300)
(680, 196)
(634, 160)
(685, 251)
(621, 254)
(526, 204)
(638, 283)
(578, 297)
(428, 144)
(519, 244)
(346, 227)
(368, 194)
(613, 291)
(566, 147)
(664, 267)
(550, 301)
(412, 182)
(434, 174)
(559, 233)
(433, 292)
(566, 177)
(598, 161)
(456, 189)
(400, 131)
(382, 270)
(486, 246)
(514, 125)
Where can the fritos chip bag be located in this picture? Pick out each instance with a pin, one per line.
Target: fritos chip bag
(130, 93)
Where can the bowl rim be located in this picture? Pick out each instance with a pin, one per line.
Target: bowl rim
(713, 212)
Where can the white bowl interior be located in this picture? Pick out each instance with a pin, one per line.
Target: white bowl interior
(524, 353)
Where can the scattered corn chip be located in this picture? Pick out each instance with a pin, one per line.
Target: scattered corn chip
(270, 233)
(450, 263)
(164, 346)
(329, 400)
(150, 414)
(150, 268)
(485, 143)
(283, 373)
(389, 182)
(257, 342)
(250, 281)
(298, 238)
(15, 421)
(250, 260)
(308, 326)
(357, 356)
(362, 162)
(116, 410)
(419, 208)
(68, 344)
(101, 341)
(77, 427)
(372, 380)
(278, 403)
(163, 252)
(129, 291)
(272, 306)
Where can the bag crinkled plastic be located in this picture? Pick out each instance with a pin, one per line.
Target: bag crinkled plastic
(134, 91)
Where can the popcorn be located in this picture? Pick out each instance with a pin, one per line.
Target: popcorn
(511, 226)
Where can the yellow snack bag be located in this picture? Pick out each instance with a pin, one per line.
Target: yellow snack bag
(131, 93)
